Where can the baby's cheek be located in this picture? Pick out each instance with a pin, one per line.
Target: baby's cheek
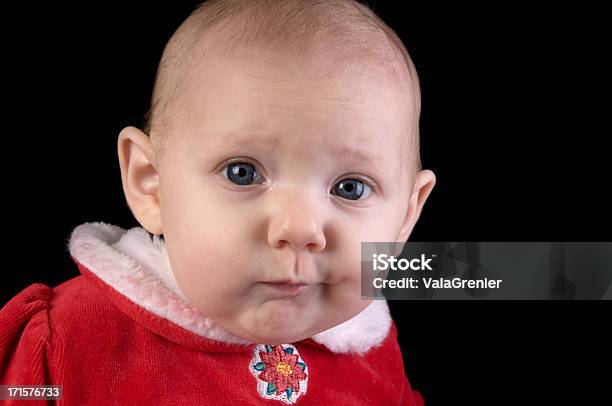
(224, 274)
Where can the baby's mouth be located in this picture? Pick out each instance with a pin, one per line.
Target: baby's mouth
(289, 288)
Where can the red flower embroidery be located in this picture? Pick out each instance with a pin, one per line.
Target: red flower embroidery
(281, 369)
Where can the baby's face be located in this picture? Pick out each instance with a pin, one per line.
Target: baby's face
(272, 173)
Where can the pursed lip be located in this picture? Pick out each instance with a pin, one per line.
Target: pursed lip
(290, 288)
(289, 282)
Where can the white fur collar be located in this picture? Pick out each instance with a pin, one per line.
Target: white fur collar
(139, 269)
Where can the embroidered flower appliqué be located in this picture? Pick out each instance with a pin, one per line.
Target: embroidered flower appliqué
(280, 372)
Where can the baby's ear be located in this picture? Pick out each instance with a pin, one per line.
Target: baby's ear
(140, 177)
(423, 185)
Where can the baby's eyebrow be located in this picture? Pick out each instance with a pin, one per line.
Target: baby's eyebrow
(334, 146)
(344, 150)
(363, 151)
(244, 138)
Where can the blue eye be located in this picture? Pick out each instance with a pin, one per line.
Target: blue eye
(351, 189)
(241, 173)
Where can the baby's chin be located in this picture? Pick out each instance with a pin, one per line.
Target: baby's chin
(278, 322)
(277, 337)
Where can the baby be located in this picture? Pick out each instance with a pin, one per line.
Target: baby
(281, 135)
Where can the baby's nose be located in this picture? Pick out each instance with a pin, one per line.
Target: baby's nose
(297, 219)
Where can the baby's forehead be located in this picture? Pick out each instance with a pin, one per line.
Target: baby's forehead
(252, 79)
(335, 107)
(319, 65)
(248, 89)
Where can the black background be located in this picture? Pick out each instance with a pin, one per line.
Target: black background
(512, 112)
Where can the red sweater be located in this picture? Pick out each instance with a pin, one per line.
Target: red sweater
(123, 333)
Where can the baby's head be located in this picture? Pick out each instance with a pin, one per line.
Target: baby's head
(281, 135)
